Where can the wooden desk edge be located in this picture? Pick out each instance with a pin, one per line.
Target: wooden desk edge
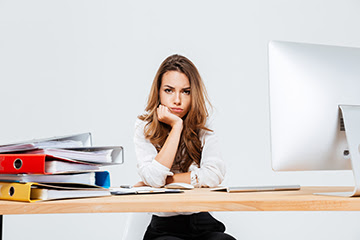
(193, 201)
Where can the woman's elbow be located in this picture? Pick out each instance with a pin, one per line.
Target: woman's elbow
(150, 180)
(213, 178)
(217, 180)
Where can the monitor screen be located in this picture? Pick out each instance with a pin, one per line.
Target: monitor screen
(307, 83)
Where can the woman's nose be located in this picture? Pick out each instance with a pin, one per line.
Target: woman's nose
(177, 99)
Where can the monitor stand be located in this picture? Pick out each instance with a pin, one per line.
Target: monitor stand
(351, 116)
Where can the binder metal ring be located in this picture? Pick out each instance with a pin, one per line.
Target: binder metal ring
(11, 191)
(18, 163)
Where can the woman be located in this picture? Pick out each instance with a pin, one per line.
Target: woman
(174, 143)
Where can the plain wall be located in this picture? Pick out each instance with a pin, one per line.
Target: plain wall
(74, 66)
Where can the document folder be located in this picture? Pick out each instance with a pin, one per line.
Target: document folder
(31, 192)
(40, 164)
(99, 155)
(76, 140)
(101, 178)
(258, 188)
(142, 190)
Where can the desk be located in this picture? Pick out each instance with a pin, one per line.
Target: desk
(192, 201)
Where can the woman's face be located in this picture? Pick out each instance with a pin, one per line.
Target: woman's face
(175, 93)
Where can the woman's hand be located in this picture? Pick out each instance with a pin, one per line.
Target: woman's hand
(166, 116)
(139, 184)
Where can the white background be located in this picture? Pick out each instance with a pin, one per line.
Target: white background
(74, 66)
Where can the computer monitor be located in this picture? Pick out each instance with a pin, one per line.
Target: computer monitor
(315, 108)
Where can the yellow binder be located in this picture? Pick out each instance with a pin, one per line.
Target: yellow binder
(16, 191)
(31, 191)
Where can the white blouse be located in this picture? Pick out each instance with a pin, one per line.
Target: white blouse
(210, 173)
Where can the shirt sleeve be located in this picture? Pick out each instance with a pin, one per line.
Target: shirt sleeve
(212, 167)
(152, 172)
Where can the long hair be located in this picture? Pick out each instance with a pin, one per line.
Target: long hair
(190, 146)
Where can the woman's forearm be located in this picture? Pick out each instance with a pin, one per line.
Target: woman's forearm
(167, 153)
(179, 177)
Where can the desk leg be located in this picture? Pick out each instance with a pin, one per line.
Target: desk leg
(1, 226)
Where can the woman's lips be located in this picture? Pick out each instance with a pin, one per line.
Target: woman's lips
(177, 110)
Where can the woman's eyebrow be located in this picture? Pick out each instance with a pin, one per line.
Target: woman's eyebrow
(168, 86)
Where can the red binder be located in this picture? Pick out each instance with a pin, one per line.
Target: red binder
(22, 163)
(30, 163)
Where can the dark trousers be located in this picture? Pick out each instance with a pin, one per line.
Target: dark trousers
(201, 226)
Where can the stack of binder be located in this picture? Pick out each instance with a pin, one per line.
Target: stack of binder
(56, 168)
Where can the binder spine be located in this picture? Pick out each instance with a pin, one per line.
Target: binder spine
(15, 191)
(102, 179)
(22, 163)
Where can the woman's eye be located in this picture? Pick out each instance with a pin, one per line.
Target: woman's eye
(187, 92)
(168, 90)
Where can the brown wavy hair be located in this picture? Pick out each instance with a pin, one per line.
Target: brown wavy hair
(190, 148)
